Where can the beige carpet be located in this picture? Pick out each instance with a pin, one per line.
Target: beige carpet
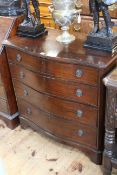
(25, 152)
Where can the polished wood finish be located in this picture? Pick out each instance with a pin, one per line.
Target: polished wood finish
(72, 111)
(52, 124)
(59, 89)
(54, 87)
(110, 149)
(57, 70)
(8, 106)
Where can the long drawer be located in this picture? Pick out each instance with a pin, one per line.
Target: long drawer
(61, 108)
(58, 127)
(71, 72)
(63, 89)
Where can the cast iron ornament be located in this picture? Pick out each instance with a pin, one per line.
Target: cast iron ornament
(104, 38)
(31, 26)
(10, 7)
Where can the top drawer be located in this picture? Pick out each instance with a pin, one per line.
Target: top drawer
(70, 72)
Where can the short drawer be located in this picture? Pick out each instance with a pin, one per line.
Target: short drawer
(21, 58)
(61, 108)
(70, 72)
(63, 89)
(58, 127)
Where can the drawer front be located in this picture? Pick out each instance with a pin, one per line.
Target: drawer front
(57, 126)
(65, 90)
(24, 59)
(76, 73)
(69, 72)
(63, 109)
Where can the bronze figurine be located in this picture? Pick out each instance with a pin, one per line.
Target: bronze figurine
(95, 7)
(31, 26)
(101, 38)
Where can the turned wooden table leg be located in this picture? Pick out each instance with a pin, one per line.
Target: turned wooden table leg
(108, 151)
(109, 140)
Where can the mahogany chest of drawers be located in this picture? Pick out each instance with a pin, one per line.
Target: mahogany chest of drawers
(59, 89)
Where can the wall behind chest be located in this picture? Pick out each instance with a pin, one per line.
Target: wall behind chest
(87, 22)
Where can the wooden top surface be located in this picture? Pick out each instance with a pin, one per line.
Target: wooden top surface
(47, 47)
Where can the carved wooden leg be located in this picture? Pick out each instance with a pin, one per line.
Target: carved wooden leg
(107, 166)
(108, 151)
(106, 172)
(109, 131)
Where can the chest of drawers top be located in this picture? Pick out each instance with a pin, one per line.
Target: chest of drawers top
(47, 48)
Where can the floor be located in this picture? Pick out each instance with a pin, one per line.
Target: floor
(25, 152)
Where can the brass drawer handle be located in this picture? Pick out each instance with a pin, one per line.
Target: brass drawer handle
(80, 133)
(22, 75)
(79, 113)
(79, 73)
(18, 57)
(79, 93)
(29, 111)
(26, 93)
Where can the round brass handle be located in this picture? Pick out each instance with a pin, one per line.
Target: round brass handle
(29, 111)
(26, 93)
(79, 93)
(22, 75)
(18, 57)
(80, 133)
(79, 113)
(79, 73)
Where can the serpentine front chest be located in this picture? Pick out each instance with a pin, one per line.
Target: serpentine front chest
(59, 89)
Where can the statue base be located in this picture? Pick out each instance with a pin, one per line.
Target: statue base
(31, 31)
(101, 42)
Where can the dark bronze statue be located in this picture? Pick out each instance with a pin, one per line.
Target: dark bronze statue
(29, 18)
(10, 7)
(31, 26)
(101, 38)
(95, 7)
